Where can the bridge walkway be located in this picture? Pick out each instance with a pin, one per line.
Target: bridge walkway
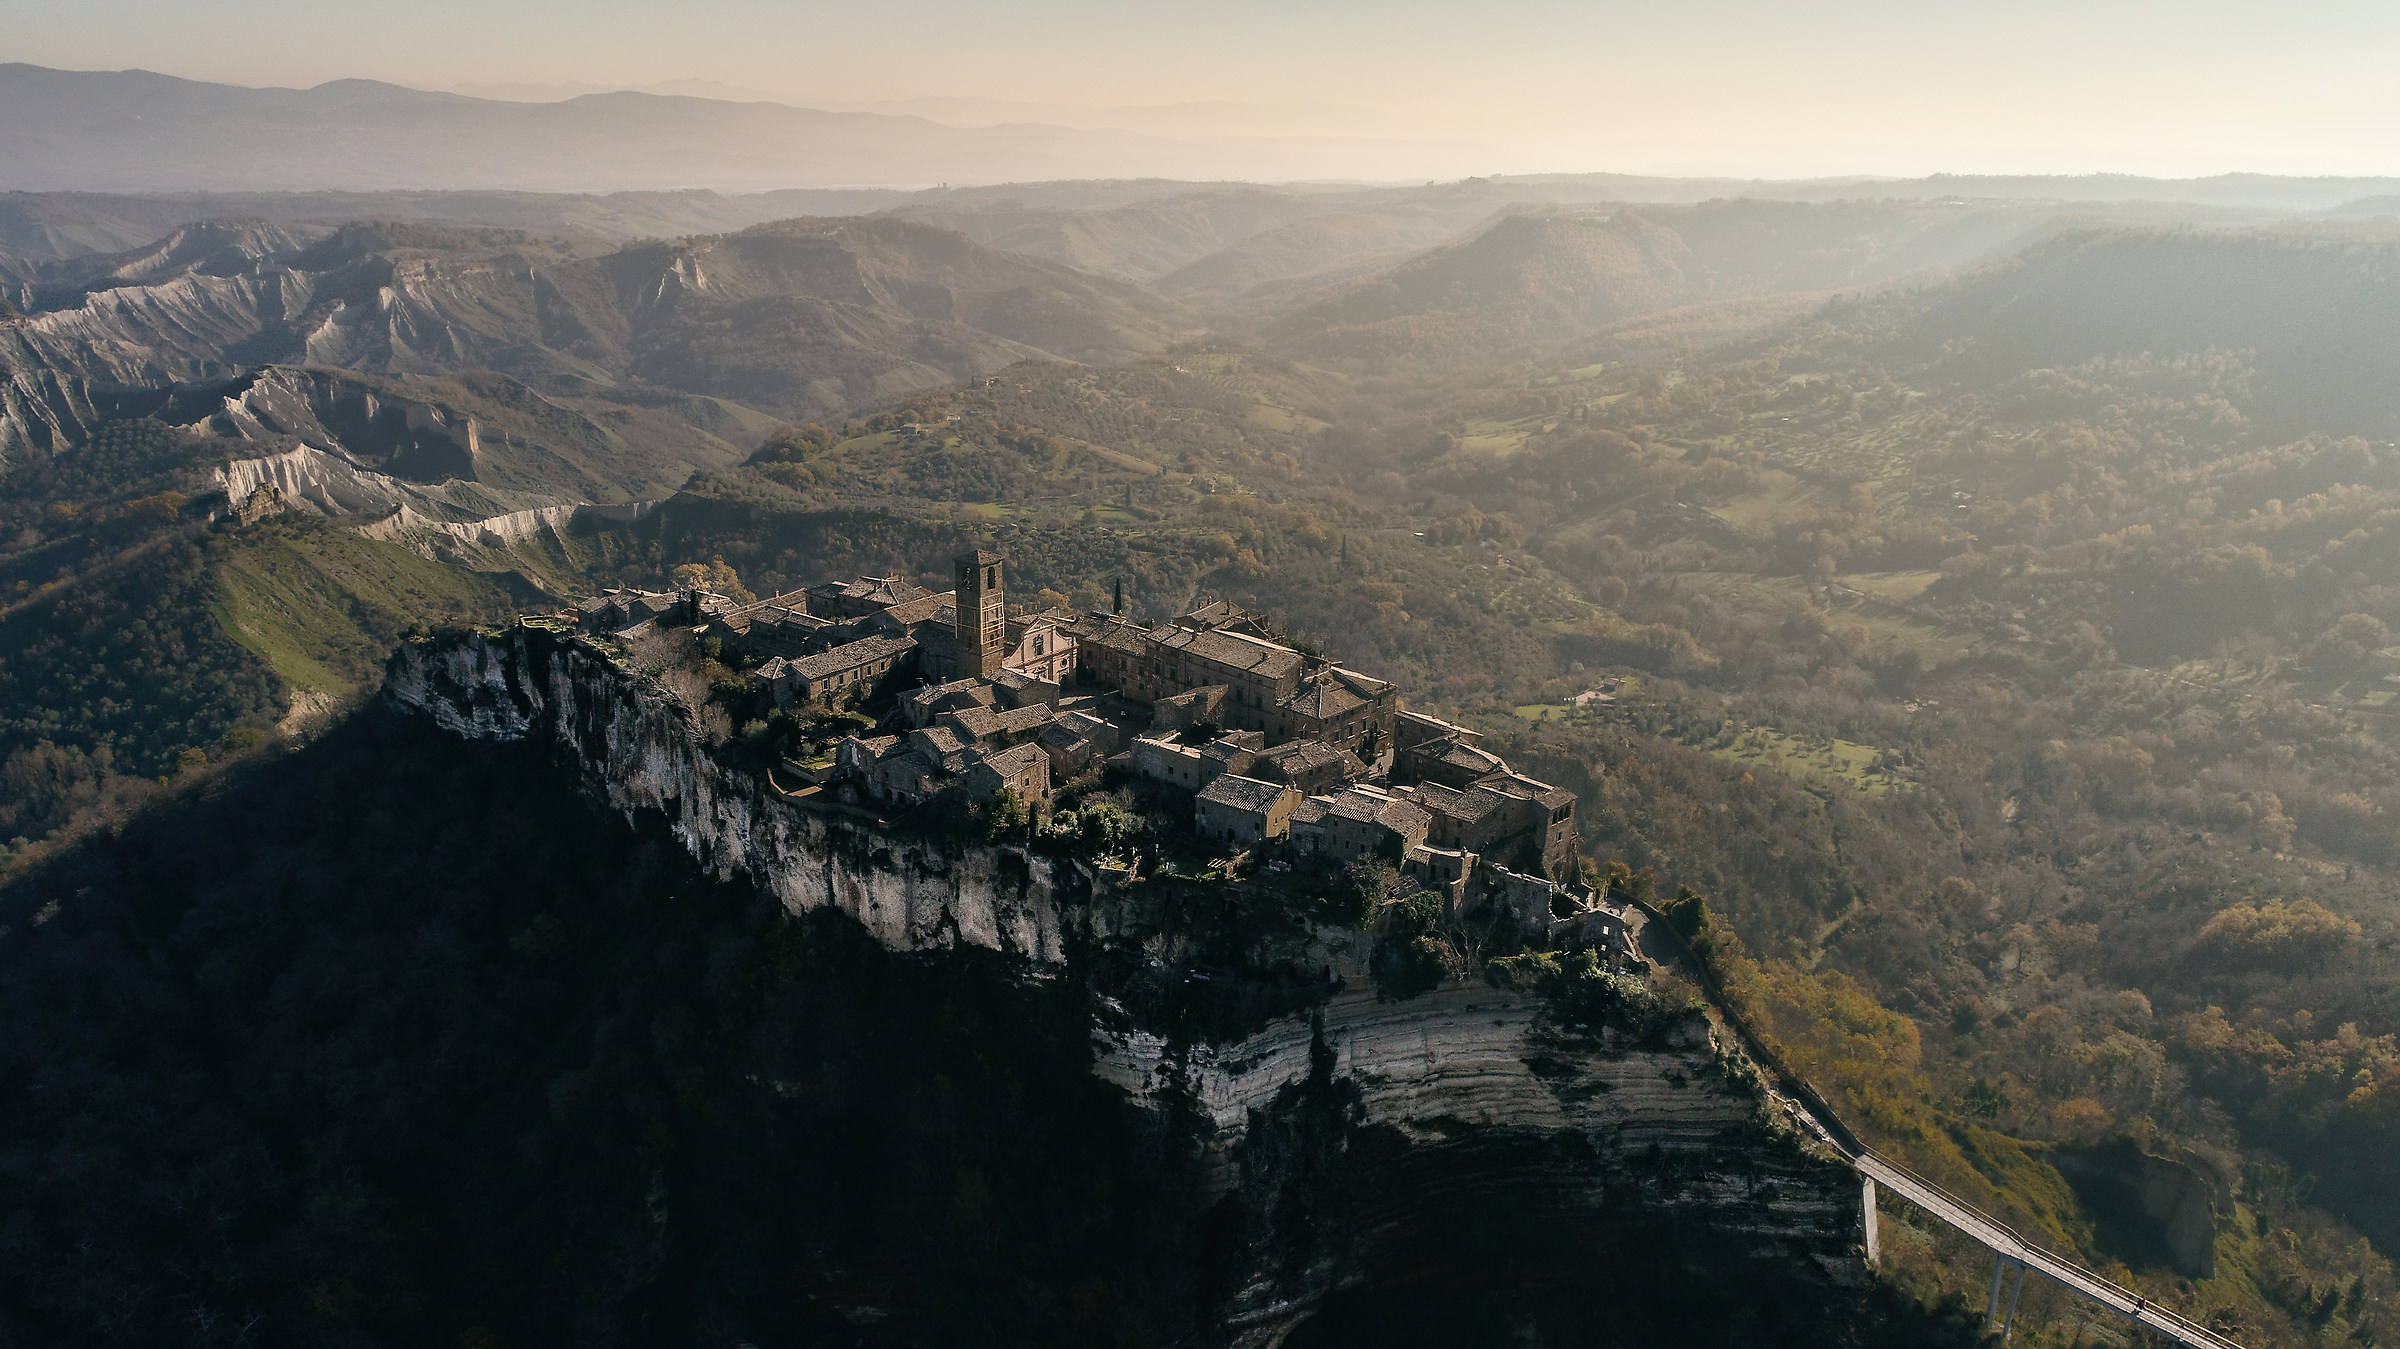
(2009, 1250)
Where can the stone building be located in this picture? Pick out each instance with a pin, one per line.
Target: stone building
(1076, 741)
(1409, 728)
(1357, 821)
(774, 629)
(859, 598)
(1170, 761)
(988, 684)
(869, 662)
(1022, 769)
(613, 611)
(1312, 766)
(1506, 816)
(1236, 809)
(1473, 886)
(1447, 761)
(913, 769)
(1265, 686)
(1341, 708)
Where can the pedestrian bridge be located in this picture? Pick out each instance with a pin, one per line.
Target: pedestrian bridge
(2010, 1252)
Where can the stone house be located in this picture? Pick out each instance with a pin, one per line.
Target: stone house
(1192, 707)
(1172, 762)
(614, 611)
(1266, 686)
(1076, 741)
(1448, 761)
(777, 680)
(1236, 809)
(1504, 815)
(1409, 728)
(859, 598)
(919, 706)
(1312, 766)
(1023, 769)
(998, 726)
(1341, 708)
(910, 770)
(1358, 821)
(866, 663)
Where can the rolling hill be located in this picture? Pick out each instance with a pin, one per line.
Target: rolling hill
(1537, 280)
(2314, 314)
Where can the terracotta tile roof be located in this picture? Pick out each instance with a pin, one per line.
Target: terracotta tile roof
(1227, 751)
(1469, 759)
(1297, 758)
(926, 608)
(1110, 631)
(1232, 650)
(1464, 807)
(851, 656)
(1404, 817)
(939, 740)
(1363, 807)
(1241, 793)
(977, 724)
(1323, 701)
(1366, 686)
(1015, 761)
(882, 591)
(1018, 720)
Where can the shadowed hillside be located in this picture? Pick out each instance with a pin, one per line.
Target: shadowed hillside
(2315, 317)
(1537, 280)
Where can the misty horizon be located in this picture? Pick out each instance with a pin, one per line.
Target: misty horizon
(1732, 89)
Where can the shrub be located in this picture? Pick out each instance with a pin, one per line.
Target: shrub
(2302, 933)
(1586, 996)
(1408, 954)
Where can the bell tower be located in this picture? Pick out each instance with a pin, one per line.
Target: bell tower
(981, 637)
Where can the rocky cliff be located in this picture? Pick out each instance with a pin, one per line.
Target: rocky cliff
(1333, 1145)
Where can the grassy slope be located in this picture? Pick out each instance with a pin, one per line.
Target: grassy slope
(320, 606)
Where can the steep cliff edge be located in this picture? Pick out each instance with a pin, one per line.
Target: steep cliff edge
(1331, 1146)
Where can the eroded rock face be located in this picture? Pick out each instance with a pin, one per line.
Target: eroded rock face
(635, 745)
(1335, 1140)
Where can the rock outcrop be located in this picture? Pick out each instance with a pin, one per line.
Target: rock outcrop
(1336, 1141)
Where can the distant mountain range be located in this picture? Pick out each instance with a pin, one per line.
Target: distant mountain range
(135, 131)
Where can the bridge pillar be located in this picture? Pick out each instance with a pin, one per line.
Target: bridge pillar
(1991, 1309)
(1867, 1212)
(2010, 1325)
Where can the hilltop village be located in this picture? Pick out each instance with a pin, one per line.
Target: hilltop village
(956, 696)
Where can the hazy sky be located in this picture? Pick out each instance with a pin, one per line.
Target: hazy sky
(1716, 86)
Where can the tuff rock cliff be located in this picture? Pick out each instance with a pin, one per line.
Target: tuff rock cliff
(1330, 1145)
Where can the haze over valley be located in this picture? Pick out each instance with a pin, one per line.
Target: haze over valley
(1565, 677)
